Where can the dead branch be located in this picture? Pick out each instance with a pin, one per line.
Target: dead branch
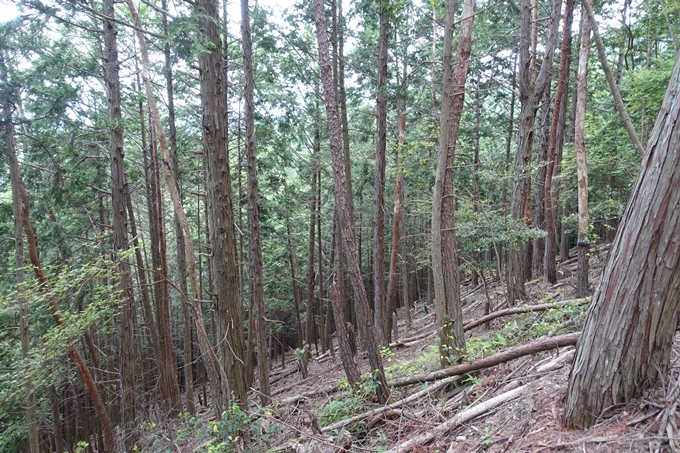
(457, 420)
(392, 406)
(525, 309)
(420, 336)
(542, 344)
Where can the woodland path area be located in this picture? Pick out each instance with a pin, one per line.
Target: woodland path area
(514, 406)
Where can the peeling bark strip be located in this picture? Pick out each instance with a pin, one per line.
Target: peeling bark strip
(629, 331)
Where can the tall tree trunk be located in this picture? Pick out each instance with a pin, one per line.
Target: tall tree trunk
(310, 331)
(444, 249)
(539, 206)
(15, 175)
(166, 365)
(630, 327)
(255, 245)
(217, 375)
(530, 92)
(181, 253)
(294, 275)
(221, 216)
(550, 241)
(120, 238)
(396, 217)
(345, 222)
(380, 310)
(344, 126)
(581, 166)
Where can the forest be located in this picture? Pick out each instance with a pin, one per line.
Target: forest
(339, 226)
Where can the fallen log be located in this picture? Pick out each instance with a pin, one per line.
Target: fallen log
(525, 309)
(396, 404)
(542, 344)
(420, 336)
(457, 420)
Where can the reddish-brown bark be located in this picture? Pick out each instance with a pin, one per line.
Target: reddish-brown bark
(631, 324)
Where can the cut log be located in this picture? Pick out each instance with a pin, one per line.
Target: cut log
(542, 344)
(457, 420)
(525, 309)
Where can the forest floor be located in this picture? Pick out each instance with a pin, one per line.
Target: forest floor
(306, 413)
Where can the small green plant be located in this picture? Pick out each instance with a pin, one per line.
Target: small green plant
(486, 437)
(386, 353)
(339, 409)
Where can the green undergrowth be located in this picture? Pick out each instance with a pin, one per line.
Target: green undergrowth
(525, 328)
(236, 431)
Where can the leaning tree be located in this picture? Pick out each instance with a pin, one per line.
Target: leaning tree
(628, 334)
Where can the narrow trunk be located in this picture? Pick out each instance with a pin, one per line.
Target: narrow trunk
(217, 375)
(311, 280)
(581, 165)
(366, 326)
(539, 207)
(255, 245)
(558, 117)
(444, 249)
(166, 363)
(181, 253)
(530, 92)
(120, 238)
(396, 217)
(380, 310)
(618, 100)
(15, 175)
(294, 275)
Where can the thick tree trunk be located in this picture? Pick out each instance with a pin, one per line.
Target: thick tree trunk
(444, 249)
(345, 222)
(346, 356)
(530, 92)
(15, 175)
(380, 308)
(630, 328)
(255, 245)
(221, 217)
(581, 166)
(120, 238)
(558, 118)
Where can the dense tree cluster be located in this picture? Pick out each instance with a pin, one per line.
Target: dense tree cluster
(189, 192)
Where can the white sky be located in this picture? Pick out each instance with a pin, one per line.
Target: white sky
(7, 11)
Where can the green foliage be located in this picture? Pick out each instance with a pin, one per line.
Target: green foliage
(340, 409)
(236, 430)
(428, 360)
